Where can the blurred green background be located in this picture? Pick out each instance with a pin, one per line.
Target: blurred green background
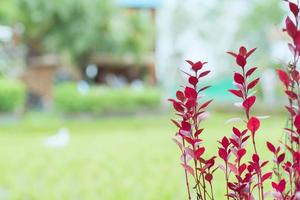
(83, 89)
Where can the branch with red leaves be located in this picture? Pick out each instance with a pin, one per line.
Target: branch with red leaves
(287, 168)
(191, 112)
(243, 184)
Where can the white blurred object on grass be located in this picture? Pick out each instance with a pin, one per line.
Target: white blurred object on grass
(60, 139)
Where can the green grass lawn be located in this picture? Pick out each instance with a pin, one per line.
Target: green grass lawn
(123, 158)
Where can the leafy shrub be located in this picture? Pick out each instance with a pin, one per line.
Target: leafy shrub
(102, 99)
(12, 95)
(245, 179)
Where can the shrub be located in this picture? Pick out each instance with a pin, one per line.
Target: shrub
(12, 95)
(287, 155)
(192, 113)
(99, 99)
(245, 179)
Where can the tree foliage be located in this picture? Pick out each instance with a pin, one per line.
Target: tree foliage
(80, 28)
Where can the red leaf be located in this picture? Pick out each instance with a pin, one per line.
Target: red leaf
(186, 126)
(291, 111)
(271, 147)
(199, 152)
(297, 41)
(231, 53)
(255, 158)
(283, 76)
(266, 176)
(235, 143)
(294, 8)
(190, 62)
(188, 168)
(238, 78)
(190, 140)
(204, 73)
(193, 80)
(177, 106)
(280, 158)
(245, 138)
(250, 52)
(236, 131)
(290, 27)
(248, 103)
(225, 142)
(241, 153)
(198, 132)
(208, 177)
(190, 103)
(252, 84)
(250, 71)
(240, 60)
(297, 121)
(274, 186)
(253, 124)
(295, 75)
(176, 123)
(232, 168)
(264, 163)
(223, 154)
(205, 104)
(190, 93)
(243, 51)
(281, 185)
(180, 96)
(242, 168)
(204, 88)
(237, 93)
(197, 66)
(292, 95)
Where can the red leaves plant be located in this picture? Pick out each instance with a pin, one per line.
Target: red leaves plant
(243, 184)
(245, 179)
(191, 111)
(286, 164)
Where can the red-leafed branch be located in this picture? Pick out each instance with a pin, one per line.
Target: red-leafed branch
(242, 185)
(287, 168)
(191, 110)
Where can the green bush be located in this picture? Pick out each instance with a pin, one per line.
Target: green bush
(12, 95)
(101, 99)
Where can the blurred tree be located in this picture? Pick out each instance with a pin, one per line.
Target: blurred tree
(138, 33)
(79, 28)
(7, 10)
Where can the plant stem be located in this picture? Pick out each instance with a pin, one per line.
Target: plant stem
(212, 191)
(185, 172)
(227, 180)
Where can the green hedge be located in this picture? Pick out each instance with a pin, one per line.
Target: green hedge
(12, 95)
(103, 99)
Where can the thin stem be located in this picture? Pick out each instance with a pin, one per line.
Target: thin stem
(291, 183)
(197, 177)
(203, 183)
(227, 180)
(262, 186)
(206, 192)
(185, 172)
(212, 191)
(259, 191)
